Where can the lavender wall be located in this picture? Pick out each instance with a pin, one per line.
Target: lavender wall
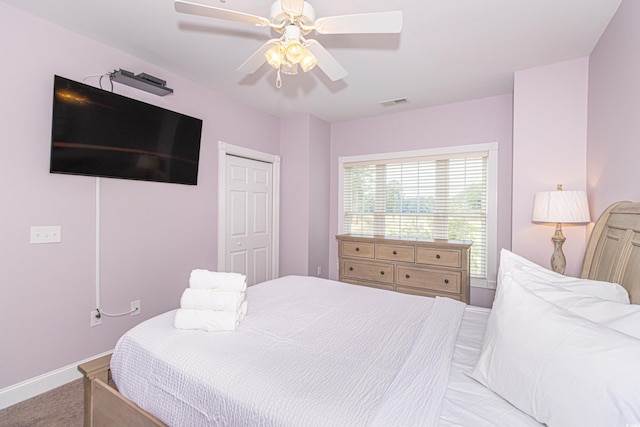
(613, 147)
(47, 291)
(319, 165)
(549, 148)
(304, 203)
(480, 121)
(294, 197)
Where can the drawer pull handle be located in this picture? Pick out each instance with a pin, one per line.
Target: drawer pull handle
(446, 281)
(407, 276)
(357, 249)
(395, 252)
(438, 256)
(350, 268)
(382, 272)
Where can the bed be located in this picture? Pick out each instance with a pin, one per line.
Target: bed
(317, 352)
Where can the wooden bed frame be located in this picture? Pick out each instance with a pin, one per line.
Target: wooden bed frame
(612, 254)
(103, 405)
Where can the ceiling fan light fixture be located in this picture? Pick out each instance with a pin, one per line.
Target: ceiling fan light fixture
(274, 56)
(289, 68)
(294, 51)
(308, 61)
(292, 46)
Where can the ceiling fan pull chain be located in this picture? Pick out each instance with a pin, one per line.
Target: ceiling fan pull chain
(278, 80)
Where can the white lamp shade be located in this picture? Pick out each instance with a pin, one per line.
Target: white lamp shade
(561, 207)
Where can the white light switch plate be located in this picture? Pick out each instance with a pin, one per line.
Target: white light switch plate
(46, 234)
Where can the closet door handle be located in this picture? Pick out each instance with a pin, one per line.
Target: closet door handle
(382, 272)
(446, 281)
(407, 276)
(350, 268)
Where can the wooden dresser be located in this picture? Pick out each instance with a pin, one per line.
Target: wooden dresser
(421, 267)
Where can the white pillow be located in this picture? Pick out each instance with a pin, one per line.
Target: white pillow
(559, 368)
(622, 317)
(510, 263)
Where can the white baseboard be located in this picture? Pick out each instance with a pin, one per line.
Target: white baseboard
(32, 387)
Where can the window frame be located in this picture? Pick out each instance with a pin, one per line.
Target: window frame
(492, 193)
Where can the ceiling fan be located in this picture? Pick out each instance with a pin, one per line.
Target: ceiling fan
(294, 19)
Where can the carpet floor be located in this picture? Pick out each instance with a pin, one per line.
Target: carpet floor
(60, 407)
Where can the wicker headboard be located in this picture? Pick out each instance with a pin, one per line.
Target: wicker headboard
(613, 252)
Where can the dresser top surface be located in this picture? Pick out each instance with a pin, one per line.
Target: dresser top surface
(405, 240)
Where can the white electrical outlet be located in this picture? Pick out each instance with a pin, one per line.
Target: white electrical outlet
(135, 307)
(96, 318)
(319, 270)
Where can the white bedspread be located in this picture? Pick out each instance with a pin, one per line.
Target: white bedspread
(311, 352)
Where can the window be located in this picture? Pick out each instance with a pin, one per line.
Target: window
(425, 194)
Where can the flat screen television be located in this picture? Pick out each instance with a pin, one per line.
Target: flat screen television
(99, 133)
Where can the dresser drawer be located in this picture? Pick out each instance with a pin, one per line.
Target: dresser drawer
(436, 280)
(395, 253)
(358, 270)
(358, 249)
(439, 257)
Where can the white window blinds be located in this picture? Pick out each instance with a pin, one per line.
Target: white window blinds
(437, 197)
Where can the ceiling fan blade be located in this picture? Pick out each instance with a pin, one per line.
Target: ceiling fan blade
(254, 62)
(326, 62)
(214, 12)
(292, 7)
(364, 23)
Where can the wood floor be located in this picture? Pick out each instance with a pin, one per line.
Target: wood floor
(60, 407)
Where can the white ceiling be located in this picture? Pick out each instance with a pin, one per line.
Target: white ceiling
(448, 51)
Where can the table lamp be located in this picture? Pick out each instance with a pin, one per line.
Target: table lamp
(569, 207)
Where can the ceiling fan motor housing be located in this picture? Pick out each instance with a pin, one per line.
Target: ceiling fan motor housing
(278, 16)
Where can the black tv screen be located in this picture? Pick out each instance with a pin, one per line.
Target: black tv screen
(99, 133)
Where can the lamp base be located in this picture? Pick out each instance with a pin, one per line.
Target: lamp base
(558, 260)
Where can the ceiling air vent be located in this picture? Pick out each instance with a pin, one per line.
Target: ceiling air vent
(394, 102)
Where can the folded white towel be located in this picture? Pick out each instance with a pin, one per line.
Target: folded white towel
(205, 279)
(211, 299)
(210, 320)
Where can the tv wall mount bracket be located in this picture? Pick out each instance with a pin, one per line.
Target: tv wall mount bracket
(142, 81)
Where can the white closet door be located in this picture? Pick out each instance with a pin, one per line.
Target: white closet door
(249, 205)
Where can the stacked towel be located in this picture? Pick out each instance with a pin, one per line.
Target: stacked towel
(213, 301)
(210, 320)
(205, 279)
